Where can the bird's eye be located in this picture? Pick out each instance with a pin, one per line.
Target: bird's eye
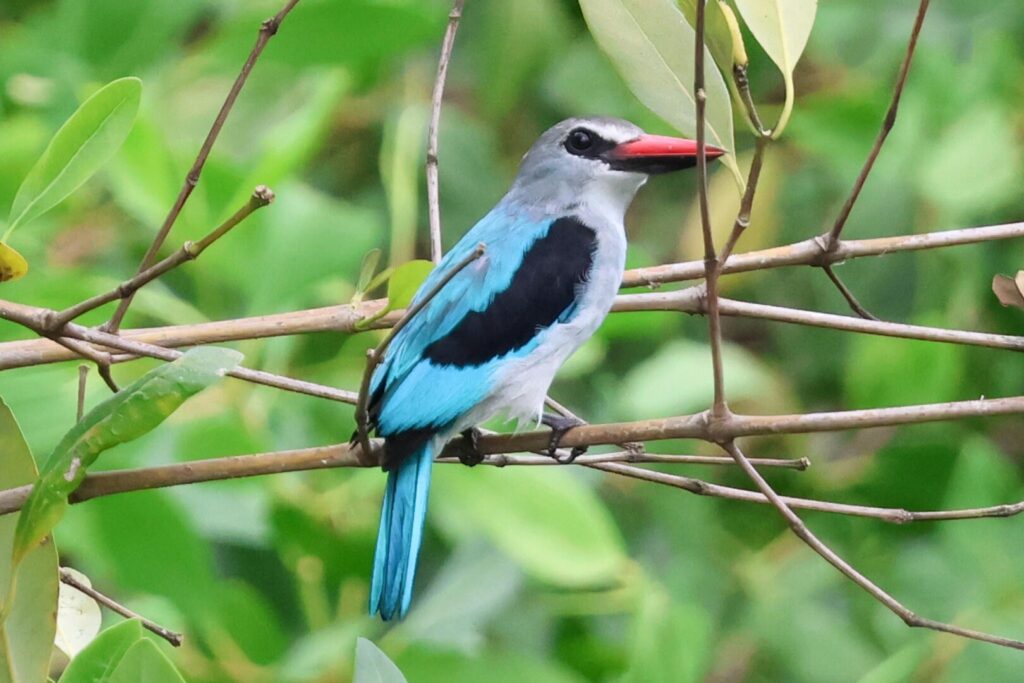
(579, 141)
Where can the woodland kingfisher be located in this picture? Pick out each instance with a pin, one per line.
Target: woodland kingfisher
(491, 340)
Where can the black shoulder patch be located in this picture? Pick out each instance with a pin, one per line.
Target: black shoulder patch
(542, 291)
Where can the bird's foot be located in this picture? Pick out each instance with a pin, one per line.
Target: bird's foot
(559, 427)
(469, 452)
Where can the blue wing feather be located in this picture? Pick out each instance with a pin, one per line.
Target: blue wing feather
(405, 377)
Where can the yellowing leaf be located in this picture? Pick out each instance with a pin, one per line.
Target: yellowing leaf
(12, 264)
(652, 46)
(782, 27)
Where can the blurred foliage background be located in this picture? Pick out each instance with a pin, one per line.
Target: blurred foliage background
(535, 574)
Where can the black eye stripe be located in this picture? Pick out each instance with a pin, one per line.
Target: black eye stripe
(584, 142)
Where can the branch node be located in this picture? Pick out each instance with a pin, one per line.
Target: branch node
(263, 195)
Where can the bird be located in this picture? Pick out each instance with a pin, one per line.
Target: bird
(488, 343)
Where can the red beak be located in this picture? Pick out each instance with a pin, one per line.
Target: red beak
(653, 154)
(663, 146)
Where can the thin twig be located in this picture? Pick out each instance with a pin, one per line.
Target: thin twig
(172, 637)
(851, 300)
(97, 484)
(747, 203)
(740, 77)
(807, 536)
(267, 30)
(83, 376)
(81, 350)
(433, 194)
(883, 133)
(890, 515)
(720, 408)
(814, 252)
(375, 356)
(261, 196)
(693, 300)
(34, 319)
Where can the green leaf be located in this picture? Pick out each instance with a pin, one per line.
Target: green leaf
(983, 146)
(100, 659)
(126, 415)
(552, 525)
(26, 633)
(717, 35)
(373, 666)
(84, 143)
(670, 642)
(435, 665)
(366, 272)
(782, 27)
(898, 667)
(403, 283)
(145, 663)
(652, 46)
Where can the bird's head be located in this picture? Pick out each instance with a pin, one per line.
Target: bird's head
(607, 157)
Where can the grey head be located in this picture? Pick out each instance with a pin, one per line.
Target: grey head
(595, 157)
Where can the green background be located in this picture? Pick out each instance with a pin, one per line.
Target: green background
(539, 574)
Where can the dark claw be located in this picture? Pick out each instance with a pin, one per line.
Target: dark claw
(559, 427)
(469, 454)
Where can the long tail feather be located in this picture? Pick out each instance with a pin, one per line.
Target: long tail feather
(400, 535)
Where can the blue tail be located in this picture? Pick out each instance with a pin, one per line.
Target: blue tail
(400, 534)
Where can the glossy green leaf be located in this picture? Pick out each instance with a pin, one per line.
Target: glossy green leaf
(553, 526)
(145, 663)
(782, 27)
(100, 659)
(652, 46)
(373, 666)
(127, 415)
(27, 629)
(84, 143)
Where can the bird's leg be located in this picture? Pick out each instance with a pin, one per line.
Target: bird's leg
(559, 426)
(469, 451)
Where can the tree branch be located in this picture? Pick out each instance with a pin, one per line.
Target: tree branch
(890, 515)
(807, 536)
(343, 318)
(883, 133)
(267, 30)
(35, 319)
(720, 408)
(433, 198)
